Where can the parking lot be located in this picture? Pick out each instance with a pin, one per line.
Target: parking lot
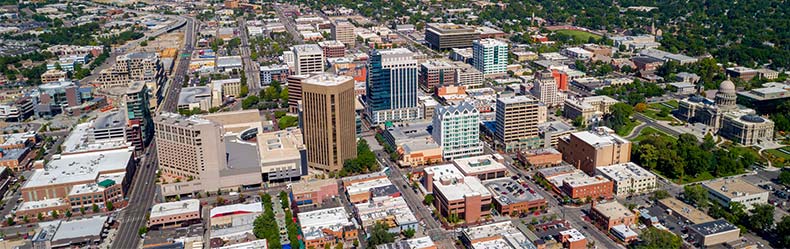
(167, 235)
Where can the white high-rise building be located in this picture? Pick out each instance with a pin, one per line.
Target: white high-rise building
(545, 90)
(457, 130)
(308, 58)
(490, 57)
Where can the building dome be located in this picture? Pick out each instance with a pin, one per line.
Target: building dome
(727, 86)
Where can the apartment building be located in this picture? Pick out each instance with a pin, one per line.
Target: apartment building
(457, 130)
(516, 123)
(436, 73)
(629, 179)
(490, 57)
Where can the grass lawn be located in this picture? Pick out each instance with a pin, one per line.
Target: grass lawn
(742, 150)
(778, 153)
(673, 103)
(654, 115)
(648, 132)
(779, 158)
(625, 130)
(578, 34)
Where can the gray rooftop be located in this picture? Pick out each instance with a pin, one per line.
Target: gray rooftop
(77, 229)
(242, 157)
(713, 227)
(190, 95)
(110, 120)
(507, 191)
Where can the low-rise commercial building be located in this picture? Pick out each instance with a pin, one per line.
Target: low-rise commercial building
(461, 196)
(540, 158)
(610, 214)
(714, 232)
(485, 167)
(576, 184)
(283, 155)
(416, 243)
(728, 191)
(174, 213)
(512, 198)
(629, 179)
(573, 239)
(79, 233)
(233, 222)
(502, 234)
(684, 211)
(195, 97)
(589, 108)
(327, 226)
(313, 193)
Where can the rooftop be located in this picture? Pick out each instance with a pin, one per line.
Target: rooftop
(573, 235)
(625, 171)
(76, 229)
(236, 121)
(190, 95)
(685, 210)
(16, 138)
(448, 180)
(450, 28)
(713, 227)
(79, 141)
(80, 167)
(280, 145)
(228, 61)
(612, 210)
(31, 205)
(242, 156)
(409, 132)
(732, 188)
(480, 164)
(497, 235)
(112, 119)
(624, 231)
(415, 243)
(327, 79)
(516, 99)
(385, 208)
(308, 49)
(507, 191)
(173, 208)
(312, 186)
(367, 186)
(490, 42)
(599, 138)
(234, 209)
(313, 223)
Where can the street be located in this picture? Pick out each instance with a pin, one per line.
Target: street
(251, 67)
(141, 195)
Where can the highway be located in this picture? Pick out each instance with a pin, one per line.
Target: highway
(143, 188)
(141, 196)
(173, 88)
(251, 68)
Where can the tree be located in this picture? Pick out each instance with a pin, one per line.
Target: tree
(284, 95)
(428, 199)
(409, 233)
(40, 216)
(96, 208)
(696, 194)
(784, 178)
(244, 90)
(579, 121)
(82, 210)
(54, 214)
(249, 102)
(379, 235)
(109, 205)
(143, 43)
(783, 230)
(641, 107)
(654, 238)
(762, 217)
(10, 221)
(142, 230)
(660, 194)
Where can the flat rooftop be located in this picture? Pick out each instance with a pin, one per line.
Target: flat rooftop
(508, 192)
(685, 210)
(313, 223)
(327, 79)
(242, 156)
(414, 131)
(46, 203)
(501, 235)
(713, 227)
(517, 99)
(385, 208)
(450, 28)
(280, 145)
(613, 210)
(599, 139)
(448, 180)
(490, 42)
(312, 186)
(308, 49)
(733, 188)
(16, 138)
(228, 61)
(113, 119)
(625, 171)
(251, 208)
(80, 167)
(78, 141)
(76, 229)
(480, 164)
(573, 235)
(555, 171)
(190, 95)
(173, 208)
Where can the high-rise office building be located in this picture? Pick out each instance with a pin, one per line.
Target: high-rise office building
(457, 130)
(391, 90)
(490, 57)
(189, 147)
(343, 31)
(545, 89)
(328, 121)
(441, 36)
(308, 58)
(517, 123)
(138, 108)
(295, 92)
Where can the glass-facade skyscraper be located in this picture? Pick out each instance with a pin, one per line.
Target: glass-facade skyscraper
(391, 86)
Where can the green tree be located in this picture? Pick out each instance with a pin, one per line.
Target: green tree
(696, 194)
(784, 178)
(660, 194)
(142, 230)
(379, 235)
(68, 213)
(654, 238)
(409, 233)
(783, 230)
(762, 217)
(96, 208)
(40, 216)
(284, 95)
(109, 206)
(428, 199)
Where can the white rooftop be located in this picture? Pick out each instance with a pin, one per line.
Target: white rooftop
(173, 208)
(573, 235)
(511, 237)
(360, 187)
(80, 167)
(315, 221)
(479, 164)
(30, 205)
(80, 228)
(236, 208)
(78, 141)
(327, 79)
(625, 171)
(385, 207)
(599, 138)
(573, 176)
(448, 180)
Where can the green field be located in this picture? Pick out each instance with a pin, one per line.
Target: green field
(673, 103)
(654, 115)
(625, 130)
(578, 34)
(648, 132)
(778, 158)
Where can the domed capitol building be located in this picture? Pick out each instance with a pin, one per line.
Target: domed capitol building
(725, 118)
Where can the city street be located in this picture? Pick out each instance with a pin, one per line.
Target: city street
(251, 68)
(141, 196)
